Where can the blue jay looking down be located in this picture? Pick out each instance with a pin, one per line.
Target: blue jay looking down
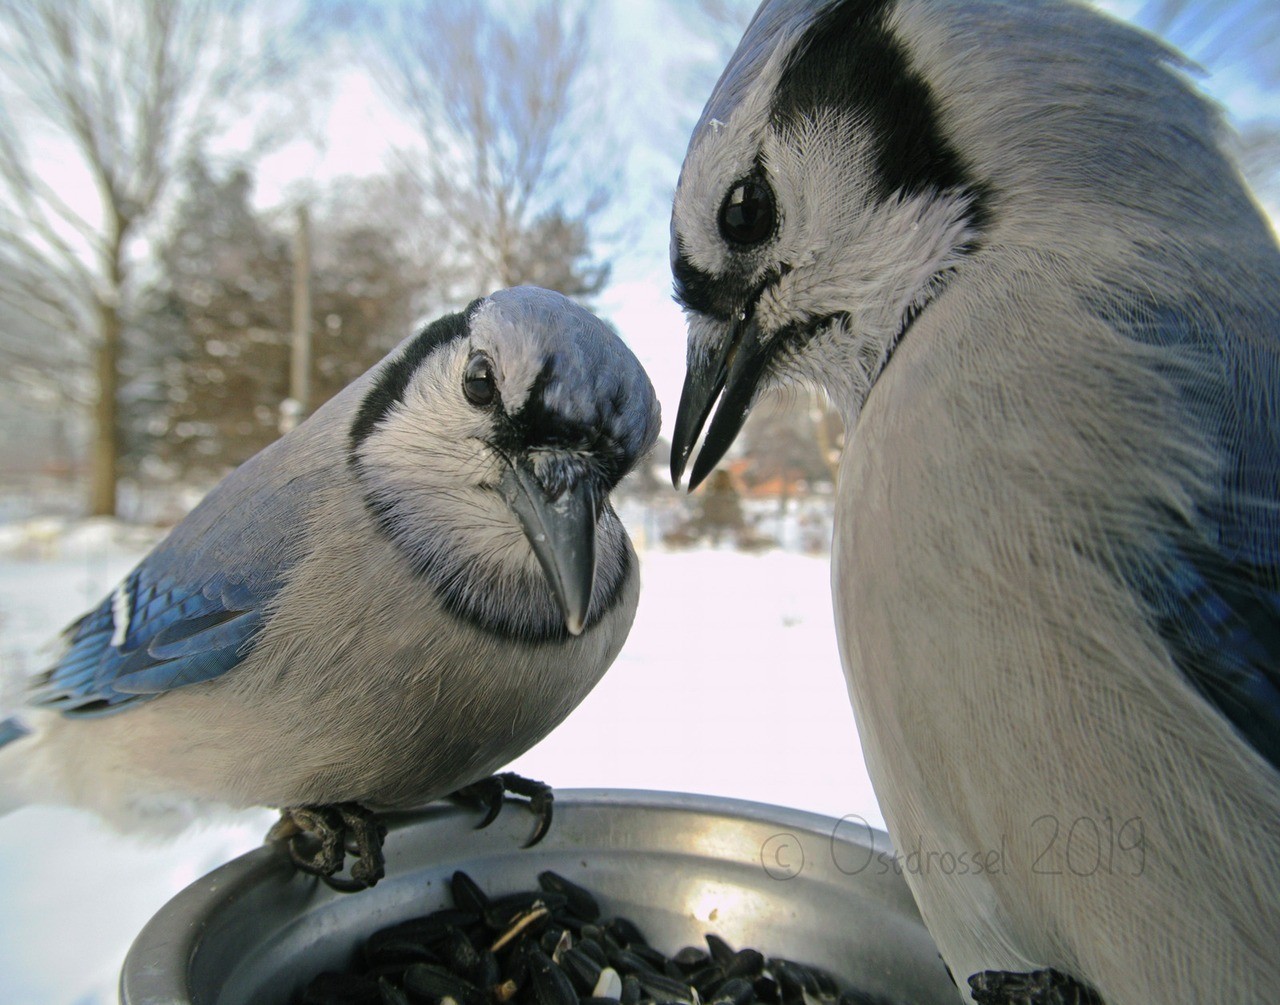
(1005, 239)
(385, 606)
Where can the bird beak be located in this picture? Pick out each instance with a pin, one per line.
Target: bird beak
(562, 532)
(735, 370)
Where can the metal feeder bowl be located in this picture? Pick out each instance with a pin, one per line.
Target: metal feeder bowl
(788, 883)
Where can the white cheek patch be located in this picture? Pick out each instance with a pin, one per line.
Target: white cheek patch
(824, 169)
(724, 154)
(850, 250)
(433, 437)
(518, 364)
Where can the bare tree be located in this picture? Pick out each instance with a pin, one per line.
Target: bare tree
(102, 101)
(514, 159)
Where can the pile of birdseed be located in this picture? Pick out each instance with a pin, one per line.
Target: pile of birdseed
(550, 946)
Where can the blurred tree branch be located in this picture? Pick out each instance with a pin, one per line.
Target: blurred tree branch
(102, 101)
(515, 161)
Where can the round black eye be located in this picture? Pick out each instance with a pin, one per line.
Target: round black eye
(478, 383)
(747, 215)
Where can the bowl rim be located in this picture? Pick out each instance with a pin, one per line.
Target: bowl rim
(158, 963)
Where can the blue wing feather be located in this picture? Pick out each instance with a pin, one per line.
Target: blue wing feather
(174, 637)
(1221, 621)
(1212, 584)
(194, 608)
(215, 630)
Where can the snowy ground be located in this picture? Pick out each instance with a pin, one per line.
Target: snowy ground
(729, 684)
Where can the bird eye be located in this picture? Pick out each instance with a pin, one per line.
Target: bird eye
(478, 383)
(747, 214)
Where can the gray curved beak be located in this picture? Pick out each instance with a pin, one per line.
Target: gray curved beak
(727, 382)
(562, 533)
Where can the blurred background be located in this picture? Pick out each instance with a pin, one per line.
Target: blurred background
(216, 213)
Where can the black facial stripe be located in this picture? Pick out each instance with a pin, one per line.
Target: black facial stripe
(512, 617)
(534, 423)
(535, 426)
(518, 607)
(511, 606)
(937, 286)
(880, 88)
(588, 448)
(389, 387)
(795, 336)
(719, 297)
(695, 290)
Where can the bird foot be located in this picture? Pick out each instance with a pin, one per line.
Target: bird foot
(1039, 987)
(318, 839)
(490, 793)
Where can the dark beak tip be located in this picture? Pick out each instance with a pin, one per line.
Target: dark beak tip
(561, 531)
(698, 476)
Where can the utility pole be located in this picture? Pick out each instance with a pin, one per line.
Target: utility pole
(294, 409)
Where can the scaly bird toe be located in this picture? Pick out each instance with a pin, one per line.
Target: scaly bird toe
(318, 838)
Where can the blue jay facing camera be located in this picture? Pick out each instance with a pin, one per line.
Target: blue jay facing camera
(1006, 241)
(385, 606)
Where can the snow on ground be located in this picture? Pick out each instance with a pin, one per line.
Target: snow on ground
(729, 684)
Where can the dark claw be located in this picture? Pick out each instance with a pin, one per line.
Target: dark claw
(318, 839)
(541, 807)
(1039, 987)
(490, 794)
(487, 794)
(541, 802)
